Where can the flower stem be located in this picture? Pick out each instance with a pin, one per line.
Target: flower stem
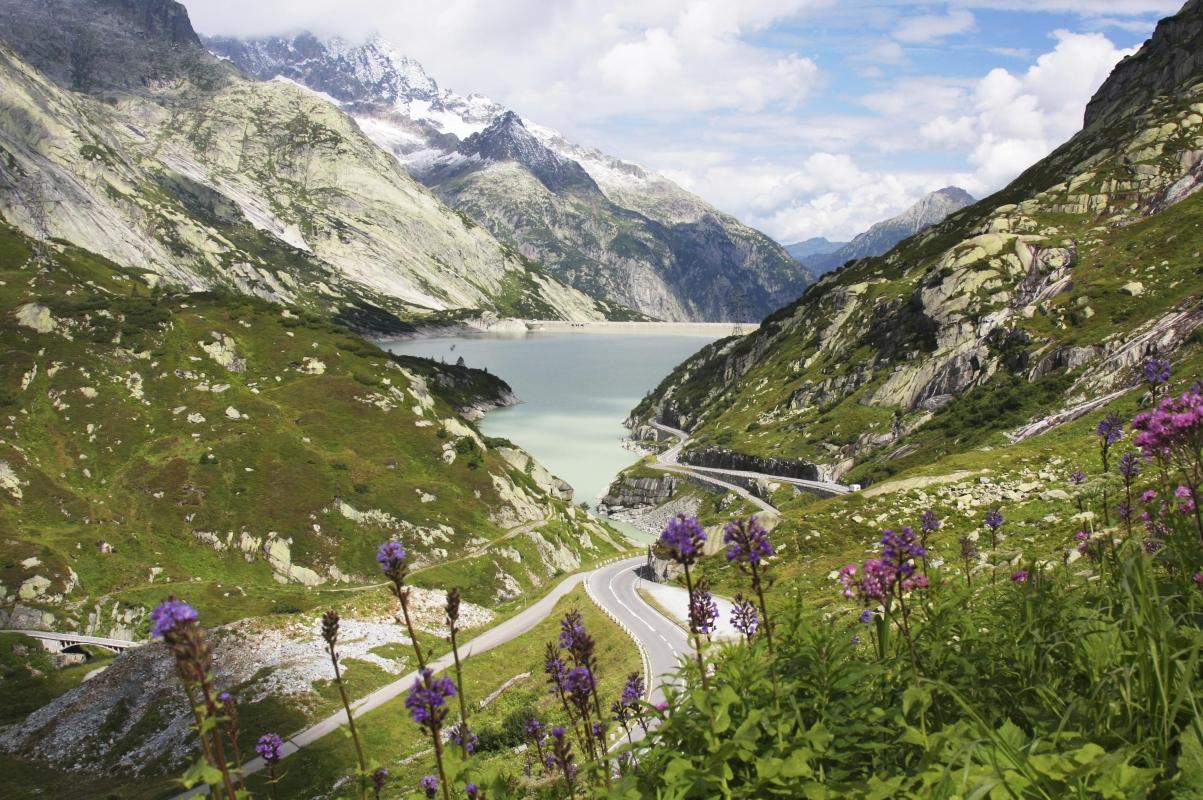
(206, 744)
(219, 751)
(403, 596)
(437, 736)
(272, 781)
(342, 693)
(459, 683)
(764, 609)
(697, 639)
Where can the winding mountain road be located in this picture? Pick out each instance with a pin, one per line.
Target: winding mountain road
(613, 587)
(669, 461)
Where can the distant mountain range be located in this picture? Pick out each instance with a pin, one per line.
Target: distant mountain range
(606, 226)
(816, 246)
(822, 256)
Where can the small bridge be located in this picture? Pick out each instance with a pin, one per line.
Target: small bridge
(671, 457)
(58, 642)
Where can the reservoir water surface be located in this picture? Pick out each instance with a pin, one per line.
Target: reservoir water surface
(576, 389)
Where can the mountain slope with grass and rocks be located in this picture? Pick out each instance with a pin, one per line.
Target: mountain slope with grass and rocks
(1025, 310)
(605, 226)
(122, 135)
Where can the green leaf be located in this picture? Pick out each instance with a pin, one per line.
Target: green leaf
(819, 737)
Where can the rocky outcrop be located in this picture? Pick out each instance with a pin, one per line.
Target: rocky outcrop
(1169, 61)
(628, 493)
(718, 458)
(95, 45)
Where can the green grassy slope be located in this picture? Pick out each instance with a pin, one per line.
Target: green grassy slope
(151, 439)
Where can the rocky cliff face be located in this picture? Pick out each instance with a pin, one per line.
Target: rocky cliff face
(719, 458)
(127, 45)
(605, 226)
(629, 493)
(209, 180)
(1168, 63)
(1032, 303)
(930, 210)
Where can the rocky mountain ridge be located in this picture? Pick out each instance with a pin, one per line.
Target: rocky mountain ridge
(638, 240)
(929, 210)
(179, 166)
(1035, 303)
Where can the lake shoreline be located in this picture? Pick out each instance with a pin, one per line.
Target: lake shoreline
(523, 327)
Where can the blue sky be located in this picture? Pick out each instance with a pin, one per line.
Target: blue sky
(801, 117)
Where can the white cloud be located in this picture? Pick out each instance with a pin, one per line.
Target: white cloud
(719, 94)
(812, 176)
(1012, 120)
(567, 62)
(930, 27)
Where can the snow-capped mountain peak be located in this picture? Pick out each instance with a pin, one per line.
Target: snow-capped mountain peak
(606, 224)
(507, 139)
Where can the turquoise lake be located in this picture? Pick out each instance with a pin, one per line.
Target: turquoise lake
(576, 389)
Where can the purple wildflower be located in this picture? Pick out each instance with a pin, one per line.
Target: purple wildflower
(579, 682)
(929, 521)
(1187, 497)
(899, 550)
(633, 691)
(429, 785)
(1198, 578)
(1148, 496)
(461, 734)
(994, 519)
(871, 584)
(391, 558)
(561, 750)
(533, 729)
(1110, 429)
(427, 699)
(1129, 466)
(747, 541)
(867, 615)
(1077, 477)
(169, 615)
(683, 538)
(1156, 371)
(270, 748)
(473, 791)
(1019, 577)
(744, 617)
(572, 628)
(378, 779)
(703, 611)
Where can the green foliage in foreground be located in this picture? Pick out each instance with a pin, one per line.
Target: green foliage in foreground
(1065, 686)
